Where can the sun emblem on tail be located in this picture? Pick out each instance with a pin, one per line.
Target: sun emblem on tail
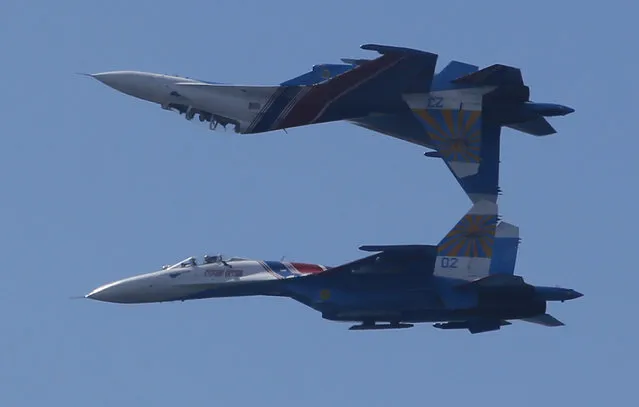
(473, 236)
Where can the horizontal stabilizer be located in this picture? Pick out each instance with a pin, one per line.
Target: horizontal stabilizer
(536, 127)
(496, 281)
(545, 320)
(494, 75)
(474, 326)
(500, 284)
(373, 327)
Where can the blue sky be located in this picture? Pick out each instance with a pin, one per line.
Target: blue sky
(98, 186)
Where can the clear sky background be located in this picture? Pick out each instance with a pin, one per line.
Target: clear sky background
(97, 186)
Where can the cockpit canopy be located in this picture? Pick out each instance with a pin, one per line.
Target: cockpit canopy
(207, 259)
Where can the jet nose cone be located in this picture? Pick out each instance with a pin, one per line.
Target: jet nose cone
(569, 110)
(124, 292)
(118, 79)
(106, 293)
(142, 85)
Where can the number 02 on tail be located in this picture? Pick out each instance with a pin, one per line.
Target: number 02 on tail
(449, 262)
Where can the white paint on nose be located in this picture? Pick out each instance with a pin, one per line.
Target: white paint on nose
(142, 85)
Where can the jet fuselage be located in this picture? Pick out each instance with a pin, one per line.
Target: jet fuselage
(382, 297)
(242, 106)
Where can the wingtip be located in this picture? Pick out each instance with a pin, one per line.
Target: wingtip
(368, 46)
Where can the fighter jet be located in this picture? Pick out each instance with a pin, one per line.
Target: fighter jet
(372, 87)
(466, 281)
(458, 113)
(365, 92)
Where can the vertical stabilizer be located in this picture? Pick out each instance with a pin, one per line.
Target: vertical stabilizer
(444, 79)
(465, 253)
(505, 251)
(468, 144)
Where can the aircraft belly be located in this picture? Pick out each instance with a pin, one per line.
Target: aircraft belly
(400, 125)
(376, 303)
(435, 314)
(226, 289)
(231, 106)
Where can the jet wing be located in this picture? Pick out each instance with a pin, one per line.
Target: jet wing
(389, 259)
(401, 248)
(479, 325)
(353, 61)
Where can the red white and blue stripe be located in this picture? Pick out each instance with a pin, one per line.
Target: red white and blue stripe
(292, 106)
(282, 270)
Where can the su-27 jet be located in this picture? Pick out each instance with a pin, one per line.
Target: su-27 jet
(354, 91)
(466, 281)
(458, 112)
